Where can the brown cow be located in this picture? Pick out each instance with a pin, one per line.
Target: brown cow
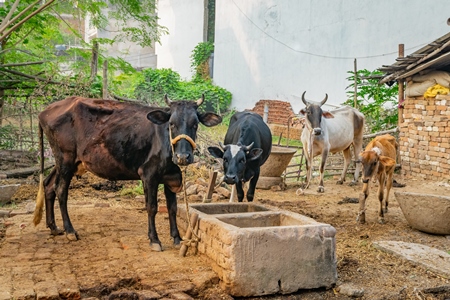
(378, 160)
(119, 141)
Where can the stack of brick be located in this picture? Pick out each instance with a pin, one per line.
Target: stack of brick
(425, 138)
(279, 115)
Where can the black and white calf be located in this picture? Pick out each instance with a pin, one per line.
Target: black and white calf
(248, 143)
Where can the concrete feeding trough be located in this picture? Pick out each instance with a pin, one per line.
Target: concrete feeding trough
(275, 165)
(7, 191)
(258, 251)
(425, 212)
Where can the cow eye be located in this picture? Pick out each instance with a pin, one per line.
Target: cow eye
(225, 160)
(242, 161)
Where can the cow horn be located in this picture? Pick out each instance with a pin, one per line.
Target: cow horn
(324, 100)
(247, 148)
(200, 101)
(167, 100)
(303, 98)
(222, 146)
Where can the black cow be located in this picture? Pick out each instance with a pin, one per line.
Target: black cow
(248, 143)
(119, 141)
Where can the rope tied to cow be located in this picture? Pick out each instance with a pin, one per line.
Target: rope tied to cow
(189, 241)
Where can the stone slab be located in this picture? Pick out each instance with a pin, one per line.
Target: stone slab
(7, 191)
(432, 259)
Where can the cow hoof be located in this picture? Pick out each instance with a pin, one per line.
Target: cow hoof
(321, 189)
(340, 182)
(156, 247)
(56, 231)
(353, 183)
(72, 236)
(381, 221)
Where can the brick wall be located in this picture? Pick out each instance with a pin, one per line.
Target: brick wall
(279, 111)
(424, 138)
(278, 118)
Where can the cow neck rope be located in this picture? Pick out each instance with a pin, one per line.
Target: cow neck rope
(195, 239)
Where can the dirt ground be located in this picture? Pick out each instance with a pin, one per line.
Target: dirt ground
(378, 274)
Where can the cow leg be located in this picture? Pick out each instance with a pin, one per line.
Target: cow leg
(151, 204)
(171, 202)
(240, 191)
(382, 182)
(361, 218)
(321, 188)
(389, 182)
(50, 195)
(308, 165)
(347, 158)
(252, 186)
(357, 148)
(62, 191)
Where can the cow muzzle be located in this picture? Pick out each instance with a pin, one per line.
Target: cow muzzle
(317, 131)
(183, 159)
(231, 179)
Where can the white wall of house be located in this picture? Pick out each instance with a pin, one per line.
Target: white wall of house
(276, 49)
(184, 20)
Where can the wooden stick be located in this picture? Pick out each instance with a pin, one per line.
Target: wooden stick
(188, 236)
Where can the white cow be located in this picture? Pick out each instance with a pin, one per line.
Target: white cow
(333, 131)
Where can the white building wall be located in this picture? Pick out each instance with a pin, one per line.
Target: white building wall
(184, 20)
(276, 49)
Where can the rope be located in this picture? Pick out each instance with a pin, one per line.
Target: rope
(188, 215)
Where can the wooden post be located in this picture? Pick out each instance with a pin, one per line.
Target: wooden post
(401, 88)
(188, 236)
(355, 97)
(233, 193)
(94, 62)
(105, 79)
(212, 183)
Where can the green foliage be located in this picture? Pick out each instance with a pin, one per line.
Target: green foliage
(8, 137)
(199, 60)
(377, 102)
(158, 82)
(133, 191)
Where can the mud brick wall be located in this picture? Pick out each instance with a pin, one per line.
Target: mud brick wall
(279, 111)
(424, 138)
(278, 117)
(13, 159)
(292, 133)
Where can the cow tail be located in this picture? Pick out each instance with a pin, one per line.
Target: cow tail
(40, 195)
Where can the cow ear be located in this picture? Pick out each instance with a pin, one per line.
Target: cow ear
(209, 119)
(216, 152)
(387, 162)
(327, 115)
(254, 153)
(158, 117)
(303, 111)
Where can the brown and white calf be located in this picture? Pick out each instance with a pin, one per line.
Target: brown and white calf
(378, 161)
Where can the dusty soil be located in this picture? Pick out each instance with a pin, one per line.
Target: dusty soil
(380, 275)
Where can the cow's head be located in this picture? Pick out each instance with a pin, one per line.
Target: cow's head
(183, 119)
(313, 115)
(373, 162)
(235, 158)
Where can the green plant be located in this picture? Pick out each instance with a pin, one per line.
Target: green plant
(158, 82)
(377, 102)
(8, 137)
(199, 60)
(133, 191)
